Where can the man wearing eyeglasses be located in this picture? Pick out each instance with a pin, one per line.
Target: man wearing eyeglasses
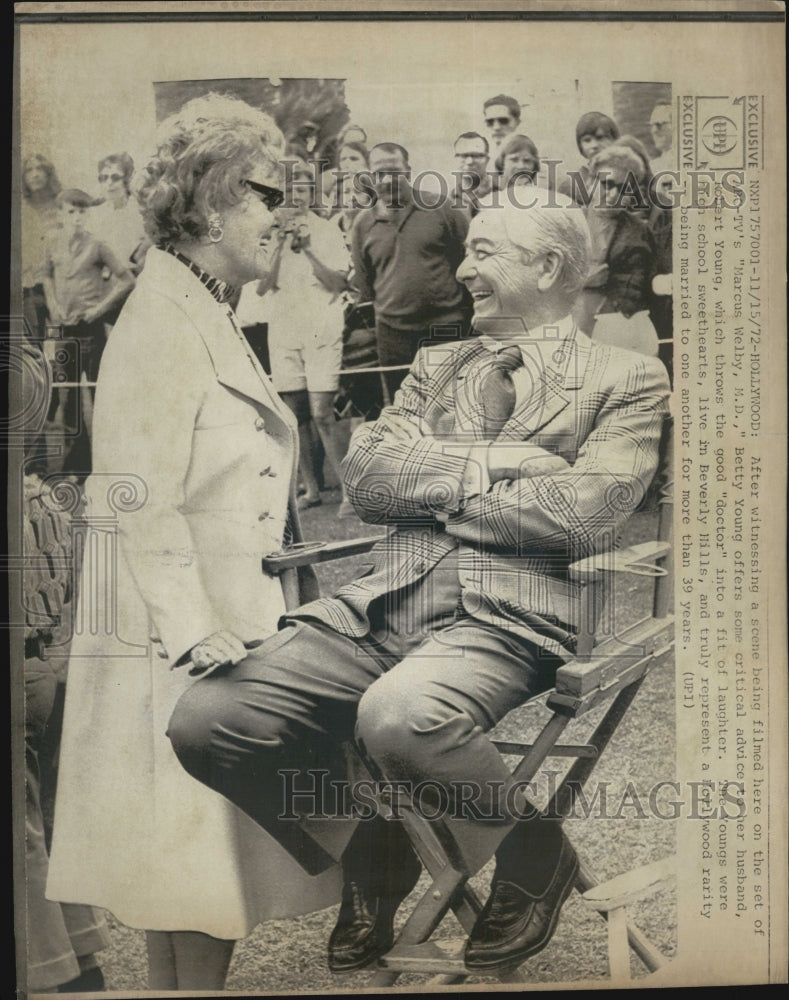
(502, 117)
(471, 169)
(660, 129)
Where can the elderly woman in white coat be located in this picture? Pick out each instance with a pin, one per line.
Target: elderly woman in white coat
(193, 477)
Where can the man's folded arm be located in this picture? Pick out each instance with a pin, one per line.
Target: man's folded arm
(397, 469)
(391, 476)
(578, 511)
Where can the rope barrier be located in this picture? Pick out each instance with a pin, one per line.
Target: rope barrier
(379, 370)
(342, 371)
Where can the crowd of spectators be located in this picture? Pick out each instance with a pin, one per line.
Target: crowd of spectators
(366, 267)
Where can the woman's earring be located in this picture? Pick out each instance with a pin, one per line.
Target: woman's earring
(215, 231)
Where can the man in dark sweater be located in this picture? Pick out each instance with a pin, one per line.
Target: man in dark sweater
(406, 249)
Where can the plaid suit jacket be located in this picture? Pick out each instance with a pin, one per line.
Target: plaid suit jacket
(600, 408)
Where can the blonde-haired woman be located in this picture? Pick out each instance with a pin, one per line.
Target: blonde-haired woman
(194, 463)
(614, 306)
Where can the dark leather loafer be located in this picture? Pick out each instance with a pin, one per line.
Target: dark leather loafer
(370, 898)
(515, 923)
(364, 930)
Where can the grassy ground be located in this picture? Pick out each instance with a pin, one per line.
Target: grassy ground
(284, 956)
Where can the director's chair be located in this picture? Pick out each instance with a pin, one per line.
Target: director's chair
(607, 671)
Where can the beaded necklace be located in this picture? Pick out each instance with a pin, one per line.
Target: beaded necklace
(222, 291)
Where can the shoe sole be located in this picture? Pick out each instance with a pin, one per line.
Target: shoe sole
(507, 965)
(357, 966)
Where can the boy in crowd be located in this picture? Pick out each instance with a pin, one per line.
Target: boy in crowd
(593, 133)
(79, 296)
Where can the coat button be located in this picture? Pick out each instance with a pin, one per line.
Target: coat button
(162, 654)
(420, 567)
(266, 471)
(263, 516)
(260, 424)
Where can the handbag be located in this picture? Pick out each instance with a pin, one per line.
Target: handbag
(359, 344)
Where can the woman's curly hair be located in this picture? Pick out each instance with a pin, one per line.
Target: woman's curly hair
(624, 157)
(205, 152)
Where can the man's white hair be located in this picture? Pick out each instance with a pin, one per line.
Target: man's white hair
(551, 223)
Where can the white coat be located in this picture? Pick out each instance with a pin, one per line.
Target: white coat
(194, 462)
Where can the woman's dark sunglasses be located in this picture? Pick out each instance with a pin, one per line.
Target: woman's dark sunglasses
(272, 197)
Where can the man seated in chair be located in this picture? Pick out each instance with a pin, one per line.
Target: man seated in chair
(502, 459)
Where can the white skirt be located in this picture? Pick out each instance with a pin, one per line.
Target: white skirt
(137, 835)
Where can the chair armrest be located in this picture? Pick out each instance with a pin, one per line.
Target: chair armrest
(638, 559)
(309, 553)
(615, 655)
(631, 886)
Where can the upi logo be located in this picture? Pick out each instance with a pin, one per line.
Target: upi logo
(727, 133)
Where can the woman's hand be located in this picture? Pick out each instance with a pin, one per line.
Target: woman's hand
(215, 651)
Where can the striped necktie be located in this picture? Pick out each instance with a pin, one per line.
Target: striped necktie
(497, 391)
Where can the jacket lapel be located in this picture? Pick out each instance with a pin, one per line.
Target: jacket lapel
(234, 362)
(463, 395)
(238, 369)
(553, 371)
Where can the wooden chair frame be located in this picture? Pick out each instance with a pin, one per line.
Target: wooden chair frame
(610, 671)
